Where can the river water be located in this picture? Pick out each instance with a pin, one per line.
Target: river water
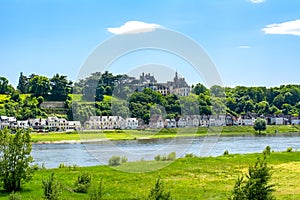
(98, 153)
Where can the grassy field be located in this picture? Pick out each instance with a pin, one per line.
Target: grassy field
(78, 99)
(155, 133)
(186, 178)
(4, 97)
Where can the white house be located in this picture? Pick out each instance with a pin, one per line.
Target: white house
(248, 122)
(74, 125)
(244, 121)
(37, 124)
(277, 120)
(23, 124)
(132, 123)
(295, 121)
(4, 122)
(170, 123)
(105, 122)
(55, 123)
(204, 121)
(195, 120)
(217, 120)
(156, 121)
(182, 122)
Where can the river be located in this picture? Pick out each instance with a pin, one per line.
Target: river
(98, 153)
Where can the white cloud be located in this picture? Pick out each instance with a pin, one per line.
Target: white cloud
(285, 28)
(257, 1)
(133, 27)
(244, 47)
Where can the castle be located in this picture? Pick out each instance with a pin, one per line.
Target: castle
(178, 86)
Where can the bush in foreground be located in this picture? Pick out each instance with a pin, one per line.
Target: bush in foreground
(15, 159)
(158, 192)
(96, 193)
(15, 196)
(52, 188)
(83, 183)
(255, 184)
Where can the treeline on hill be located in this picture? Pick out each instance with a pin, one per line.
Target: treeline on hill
(25, 101)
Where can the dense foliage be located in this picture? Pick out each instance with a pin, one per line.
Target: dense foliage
(130, 101)
(260, 125)
(15, 159)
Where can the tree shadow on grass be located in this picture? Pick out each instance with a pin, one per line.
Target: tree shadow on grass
(4, 193)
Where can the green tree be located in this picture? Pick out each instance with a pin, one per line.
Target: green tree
(255, 184)
(278, 101)
(260, 125)
(3, 85)
(199, 89)
(39, 85)
(23, 84)
(217, 91)
(15, 162)
(60, 87)
(286, 108)
(100, 91)
(158, 192)
(262, 107)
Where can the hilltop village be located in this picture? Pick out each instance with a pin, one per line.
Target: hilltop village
(62, 113)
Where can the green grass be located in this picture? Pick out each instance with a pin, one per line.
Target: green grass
(24, 96)
(4, 97)
(186, 178)
(156, 133)
(76, 97)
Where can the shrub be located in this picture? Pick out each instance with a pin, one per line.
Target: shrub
(114, 161)
(157, 158)
(290, 149)
(163, 158)
(158, 192)
(171, 156)
(96, 193)
(267, 150)
(190, 155)
(254, 185)
(61, 165)
(226, 153)
(124, 159)
(52, 189)
(83, 183)
(15, 196)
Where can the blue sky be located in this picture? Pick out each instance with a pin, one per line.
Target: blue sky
(252, 43)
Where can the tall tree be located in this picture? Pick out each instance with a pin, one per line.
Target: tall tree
(3, 85)
(39, 85)
(199, 88)
(23, 84)
(15, 159)
(60, 87)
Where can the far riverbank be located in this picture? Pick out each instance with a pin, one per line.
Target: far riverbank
(87, 136)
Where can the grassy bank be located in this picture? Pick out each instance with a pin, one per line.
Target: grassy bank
(186, 178)
(155, 133)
